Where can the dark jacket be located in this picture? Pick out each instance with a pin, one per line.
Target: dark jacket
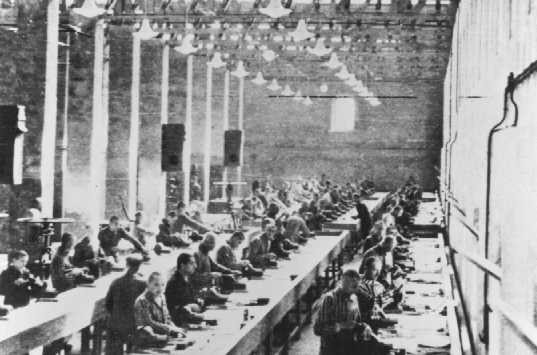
(120, 300)
(109, 240)
(17, 295)
(365, 218)
(61, 272)
(179, 293)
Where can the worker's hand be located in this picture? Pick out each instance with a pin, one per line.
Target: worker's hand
(20, 281)
(347, 325)
(367, 333)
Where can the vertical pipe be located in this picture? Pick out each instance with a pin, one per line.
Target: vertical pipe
(226, 124)
(48, 140)
(187, 148)
(207, 142)
(65, 135)
(164, 120)
(99, 134)
(134, 136)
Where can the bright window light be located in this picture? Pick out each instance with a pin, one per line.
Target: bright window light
(342, 115)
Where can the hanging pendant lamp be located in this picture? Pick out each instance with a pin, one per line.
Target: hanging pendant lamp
(307, 101)
(259, 79)
(298, 96)
(274, 86)
(89, 9)
(240, 72)
(333, 62)
(186, 47)
(269, 55)
(216, 62)
(146, 32)
(343, 73)
(320, 49)
(275, 9)
(301, 32)
(287, 91)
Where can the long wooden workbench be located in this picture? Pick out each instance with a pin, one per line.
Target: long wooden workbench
(42, 322)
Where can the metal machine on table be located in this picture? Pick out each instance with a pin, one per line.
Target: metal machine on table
(43, 230)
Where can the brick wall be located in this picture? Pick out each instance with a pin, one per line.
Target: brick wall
(398, 138)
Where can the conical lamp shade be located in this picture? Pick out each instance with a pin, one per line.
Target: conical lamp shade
(240, 72)
(274, 85)
(298, 96)
(275, 9)
(216, 62)
(186, 47)
(89, 9)
(343, 73)
(351, 81)
(307, 101)
(269, 55)
(333, 63)
(145, 32)
(287, 91)
(259, 79)
(320, 49)
(301, 32)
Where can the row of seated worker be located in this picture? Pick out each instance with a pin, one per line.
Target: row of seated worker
(350, 315)
(313, 201)
(78, 262)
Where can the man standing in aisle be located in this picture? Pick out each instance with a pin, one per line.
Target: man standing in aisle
(339, 317)
(119, 303)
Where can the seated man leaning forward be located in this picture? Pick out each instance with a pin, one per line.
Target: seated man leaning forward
(226, 255)
(259, 252)
(110, 236)
(208, 272)
(153, 322)
(183, 302)
(185, 220)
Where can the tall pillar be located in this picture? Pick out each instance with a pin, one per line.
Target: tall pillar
(48, 140)
(65, 121)
(187, 147)
(207, 139)
(99, 133)
(134, 135)
(226, 125)
(164, 120)
(240, 126)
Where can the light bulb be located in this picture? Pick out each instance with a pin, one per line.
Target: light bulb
(269, 55)
(323, 88)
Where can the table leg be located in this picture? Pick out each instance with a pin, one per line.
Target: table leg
(85, 336)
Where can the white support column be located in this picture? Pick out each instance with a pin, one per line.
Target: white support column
(207, 139)
(226, 125)
(65, 122)
(240, 126)
(164, 120)
(187, 147)
(99, 135)
(134, 136)
(48, 140)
